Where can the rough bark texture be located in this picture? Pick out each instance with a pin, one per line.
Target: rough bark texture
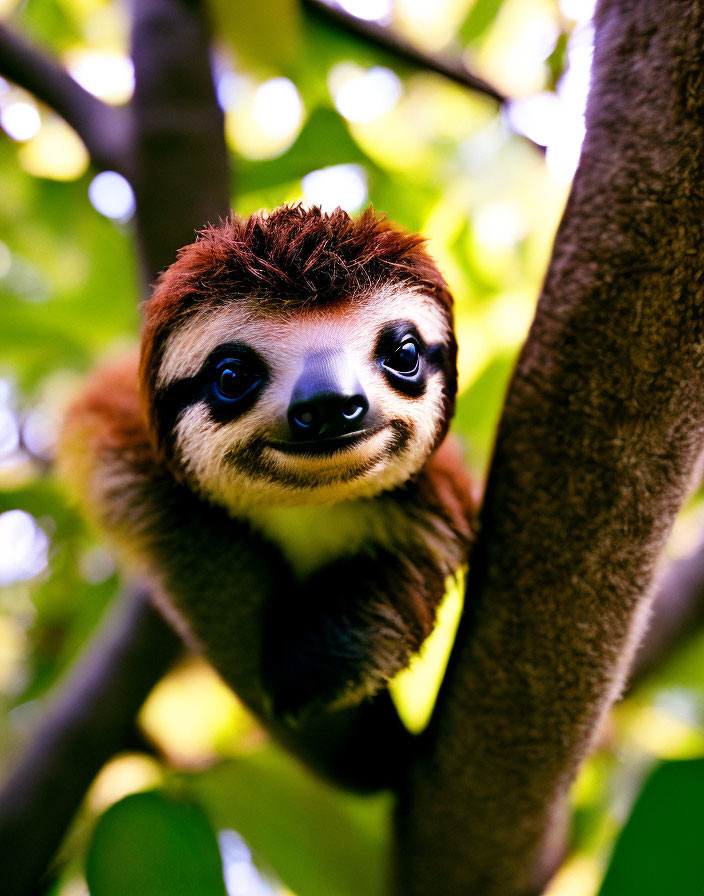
(596, 450)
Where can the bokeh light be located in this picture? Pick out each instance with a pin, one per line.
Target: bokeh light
(430, 25)
(538, 116)
(5, 259)
(106, 74)
(55, 152)
(500, 224)
(9, 433)
(111, 194)
(261, 121)
(371, 10)
(556, 120)
(362, 95)
(20, 120)
(338, 185)
(242, 877)
(277, 108)
(580, 11)
(232, 88)
(514, 51)
(563, 151)
(24, 547)
(39, 433)
(123, 775)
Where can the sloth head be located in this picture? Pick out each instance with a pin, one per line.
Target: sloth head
(299, 357)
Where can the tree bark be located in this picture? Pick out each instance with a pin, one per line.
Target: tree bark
(181, 176)
(596, 451)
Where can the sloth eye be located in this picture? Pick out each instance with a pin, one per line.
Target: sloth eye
(234, 379)
(406, 359)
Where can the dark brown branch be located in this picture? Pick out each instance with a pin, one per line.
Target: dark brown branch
(104, 129)
(87, 721)
(383, 37)
(181, 172)
(597, 447)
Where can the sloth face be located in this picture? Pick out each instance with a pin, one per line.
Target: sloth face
(307, 405)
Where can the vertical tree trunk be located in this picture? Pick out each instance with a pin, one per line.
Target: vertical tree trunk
(181, 173)
(596, 450)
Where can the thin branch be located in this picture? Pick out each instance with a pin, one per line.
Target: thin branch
(384, 37)
(104, 129)
(87, 721)
(598, 444)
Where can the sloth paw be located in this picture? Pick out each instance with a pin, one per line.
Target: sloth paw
(301, 686)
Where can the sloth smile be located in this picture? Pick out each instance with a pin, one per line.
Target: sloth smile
(325, 447)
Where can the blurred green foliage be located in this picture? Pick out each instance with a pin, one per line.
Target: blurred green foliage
(439, 160)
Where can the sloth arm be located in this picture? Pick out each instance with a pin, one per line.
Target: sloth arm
(210, 575)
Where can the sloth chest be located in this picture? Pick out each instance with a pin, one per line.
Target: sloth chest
(314, 536)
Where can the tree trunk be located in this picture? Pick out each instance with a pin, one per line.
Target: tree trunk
(596, 451)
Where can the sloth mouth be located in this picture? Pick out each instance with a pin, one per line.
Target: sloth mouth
(326, 447)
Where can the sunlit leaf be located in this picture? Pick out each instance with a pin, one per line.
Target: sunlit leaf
(149, 844)
(319, 841)
(266, 33)
(480, 16)
(661, 848)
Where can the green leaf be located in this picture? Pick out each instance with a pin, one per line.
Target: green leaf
(478, 408)
(319, 840)
(152, 845)
(661, 848)
(479, 18)
(265, 34)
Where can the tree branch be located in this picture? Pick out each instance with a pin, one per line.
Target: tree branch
(182, 165)
(104, 129)
(87, 721)
(597, 448)
(383, 37)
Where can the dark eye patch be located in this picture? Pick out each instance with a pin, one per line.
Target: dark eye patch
(405, 359)
(229, 382)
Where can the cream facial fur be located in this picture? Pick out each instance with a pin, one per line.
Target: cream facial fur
(235, 463)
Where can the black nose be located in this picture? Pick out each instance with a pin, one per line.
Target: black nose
(327, 399)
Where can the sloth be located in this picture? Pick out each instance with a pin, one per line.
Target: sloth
(276, 462)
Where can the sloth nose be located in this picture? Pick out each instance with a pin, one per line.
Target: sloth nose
(327, 399)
